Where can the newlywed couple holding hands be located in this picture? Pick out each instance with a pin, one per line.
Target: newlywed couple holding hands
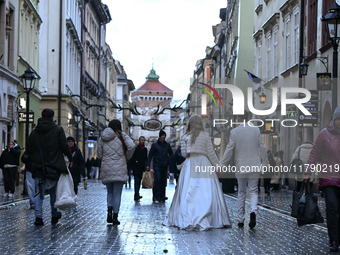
(198, 202)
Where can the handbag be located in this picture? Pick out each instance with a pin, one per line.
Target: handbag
(297, 165)
(147, 182)
(305, 204)
(48, 172)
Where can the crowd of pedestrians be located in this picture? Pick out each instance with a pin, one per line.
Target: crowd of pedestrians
(198, 201)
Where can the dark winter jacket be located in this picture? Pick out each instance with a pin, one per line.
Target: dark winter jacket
(138, 160)
(10, 156)
(53, 146)
(88, 165)
(78, 167)
(175, 160)
(161, 153)
(326, 151)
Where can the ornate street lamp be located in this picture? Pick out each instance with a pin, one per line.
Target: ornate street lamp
(77, 117)
(262, 98)
(332, 19)
(28, 80)
(304, 68)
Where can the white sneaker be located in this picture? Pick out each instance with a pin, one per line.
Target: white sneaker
(5, 195)
(10, 195)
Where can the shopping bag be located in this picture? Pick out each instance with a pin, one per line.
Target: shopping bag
(147, 182)
(275, 178)
(305, 204)
(65, 195)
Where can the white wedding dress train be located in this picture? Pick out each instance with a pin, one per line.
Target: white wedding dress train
(198, 202)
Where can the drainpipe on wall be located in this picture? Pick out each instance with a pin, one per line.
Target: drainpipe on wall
(60, 59)
(99, 66)
(302, 17)
(82, 70)
(100, 51)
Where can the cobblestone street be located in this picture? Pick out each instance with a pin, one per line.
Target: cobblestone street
(84, 230)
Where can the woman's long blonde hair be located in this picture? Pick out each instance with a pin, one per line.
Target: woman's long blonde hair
(195, 127)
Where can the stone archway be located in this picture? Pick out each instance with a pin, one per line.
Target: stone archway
(326, 115)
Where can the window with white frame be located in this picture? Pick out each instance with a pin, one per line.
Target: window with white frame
(275, 50)
(268, 55)
(296, 15)
(287, 42)
(259, 60)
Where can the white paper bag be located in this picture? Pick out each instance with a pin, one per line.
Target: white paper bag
(65, 196)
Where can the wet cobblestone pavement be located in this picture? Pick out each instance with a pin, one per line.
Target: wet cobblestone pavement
(84, 230)
(280, 201)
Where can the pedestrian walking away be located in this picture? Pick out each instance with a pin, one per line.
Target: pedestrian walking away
(247, 142)
(88, 167)
(138, 165)
(326, 152)
(47, 145)
(9, 163)
(93, 168)
(268, 174)
(275, 181)
(176, 160)
(302, 152)
(114, 149)
(78, 166)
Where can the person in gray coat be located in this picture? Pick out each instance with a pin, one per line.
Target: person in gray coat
(114, 149)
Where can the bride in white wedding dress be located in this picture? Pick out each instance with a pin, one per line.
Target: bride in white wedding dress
(198, 202)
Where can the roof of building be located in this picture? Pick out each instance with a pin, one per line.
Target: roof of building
(152, 83)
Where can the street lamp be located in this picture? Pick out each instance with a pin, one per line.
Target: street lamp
(77, 117)
(28, 80)
(262, 98)
(304, 68)
(332, 19)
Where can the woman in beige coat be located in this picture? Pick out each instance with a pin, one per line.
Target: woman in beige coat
(114, 149)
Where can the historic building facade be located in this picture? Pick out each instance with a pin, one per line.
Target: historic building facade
(9, 13)
(151, 95)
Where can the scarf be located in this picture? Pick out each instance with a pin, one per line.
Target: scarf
(72, 148)
(142, 146)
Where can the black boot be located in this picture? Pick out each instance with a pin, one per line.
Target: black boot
(55, 219)
(38, 221)
(115, 219)
(109, 214)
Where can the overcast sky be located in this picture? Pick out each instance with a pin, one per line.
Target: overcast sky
(174, 33)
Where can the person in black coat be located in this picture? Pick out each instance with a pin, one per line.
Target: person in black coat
(138, 161)
(78, 167)
(96, 165)
(88, 166)
(93, 170)
(176, 159)
(160, 152)
(9, 163)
